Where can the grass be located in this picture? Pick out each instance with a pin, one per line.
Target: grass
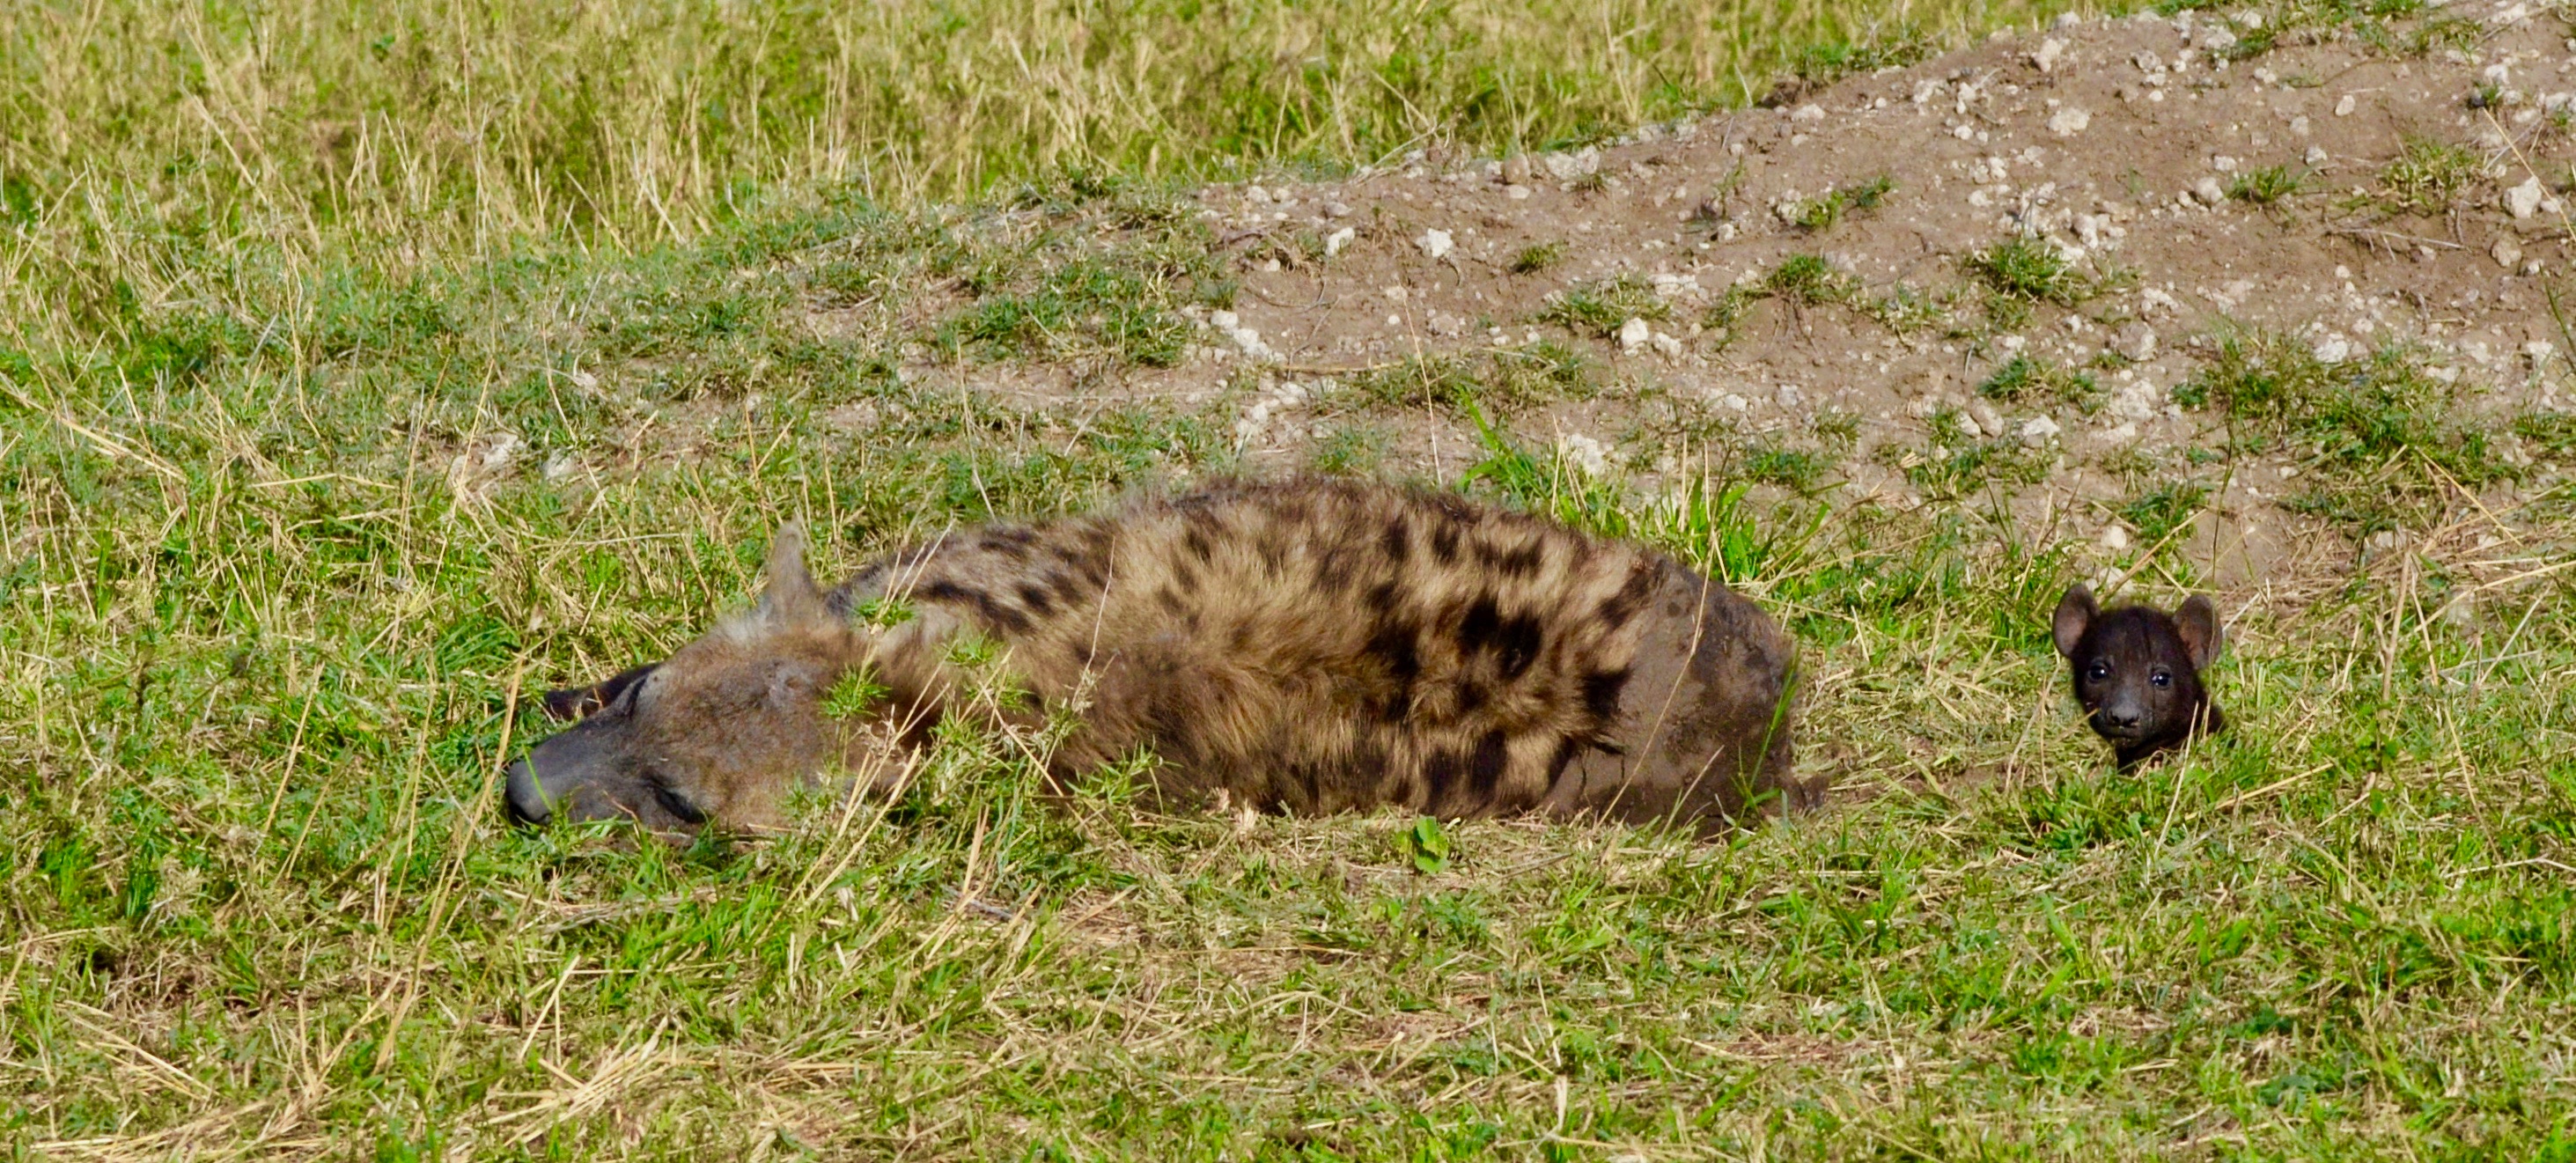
(1600, 309)
(1808, 280)
(2427, 176)
(369, 370)
(2266, 185)
(2384, 442)
(2029, 270)
(1824, 211)
(2031, 382)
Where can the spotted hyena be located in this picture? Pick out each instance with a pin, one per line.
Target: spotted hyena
(2137, 670)
(1306, 646)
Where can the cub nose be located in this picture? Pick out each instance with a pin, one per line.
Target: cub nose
(526, 801)
(2124, 718)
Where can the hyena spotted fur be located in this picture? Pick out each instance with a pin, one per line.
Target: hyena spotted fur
(1304, 646)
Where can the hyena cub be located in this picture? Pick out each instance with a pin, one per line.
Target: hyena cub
(1307, 647)
(2137, 670)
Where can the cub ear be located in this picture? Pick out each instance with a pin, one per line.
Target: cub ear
(2075, 611)
(790, 595)
(581, 702)
(2197, 621)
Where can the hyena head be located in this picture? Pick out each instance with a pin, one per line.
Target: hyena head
(719, 731)
(2137, 670)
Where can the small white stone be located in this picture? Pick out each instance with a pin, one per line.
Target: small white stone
(1583, 452)
(1732, 402)
(1789, 396)
(1224, 320)
(2049, 50)
(1334, 242)
(1666, 345)
(1808, 112)
(2316, 155)
(1969, 428)
(1516, 192)
(2068, 121)
(1633, 334)
(1337, 210)
(2538, 351)
(2345, 104)
(2038, 430)
(2215, 38)
(2114, 538)
(2507, 253)
(2135, 340)
(2523, 201)
(1434, 243)
(2223, 164)
(1256, 194)
(2333, 349)
(2209, 191)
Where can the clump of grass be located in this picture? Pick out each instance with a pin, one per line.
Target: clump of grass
(1903, 309)
(2026, 381)
(1538, 256)
(2265, 186)
(2428, 176)
(1807, 279)
(2554, 433)
(1600, 309)
(2030, 270)
(1823, 212)
(2163, 509)
(1351, 450)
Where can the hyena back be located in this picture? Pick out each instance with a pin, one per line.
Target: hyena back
(1307, 647)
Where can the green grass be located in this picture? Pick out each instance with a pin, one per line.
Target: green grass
(2026, 381)
(2427, 176)
(1825, 211)
(370, 369)
(2029, 270)
(1808, 280)
(2266, 185)
(2386, 443)
(1599, 309)
(1538, 256)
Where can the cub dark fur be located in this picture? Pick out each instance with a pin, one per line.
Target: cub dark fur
(1307, 646)
(2137, 671)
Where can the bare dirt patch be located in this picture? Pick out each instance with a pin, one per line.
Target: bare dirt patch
(2007, 260)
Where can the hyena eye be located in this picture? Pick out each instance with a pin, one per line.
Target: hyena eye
(2098, 672)
(2161, 678)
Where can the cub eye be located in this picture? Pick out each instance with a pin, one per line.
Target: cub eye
(2098, 672)
(678, 805)
(2161, 678)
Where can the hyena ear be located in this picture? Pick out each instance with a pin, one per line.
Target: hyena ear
(790, 595)
(581, 702)
(2197, 621)
(2074, 612)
